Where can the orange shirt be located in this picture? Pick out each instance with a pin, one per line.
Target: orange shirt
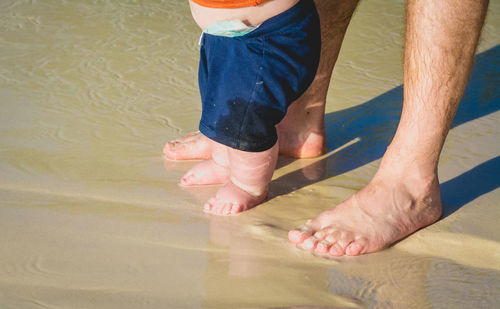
(228, 4)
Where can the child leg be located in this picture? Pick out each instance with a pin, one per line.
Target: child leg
(250, 175)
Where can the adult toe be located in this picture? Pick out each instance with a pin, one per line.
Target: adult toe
(323, 233)
(323, 246)
(298, 236)
(310, 243)
(336, 250)
(356, 247)
(343, 241)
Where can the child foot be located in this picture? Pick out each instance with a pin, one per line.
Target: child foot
(250, 175)
(207, 172)
(194, 146)
(231, 199)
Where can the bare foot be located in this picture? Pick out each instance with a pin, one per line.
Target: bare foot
(207, 172)
(231, 199)
(301, 134)
(301, 145)
(250, 175)
(210, 172)
(388, 209)
(194, 146)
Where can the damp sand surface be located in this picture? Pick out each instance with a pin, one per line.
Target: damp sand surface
(91, 215)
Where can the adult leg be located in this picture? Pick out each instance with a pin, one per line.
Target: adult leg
(404, 196)
(301, 133)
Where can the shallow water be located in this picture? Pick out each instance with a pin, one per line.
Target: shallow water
(91, 214)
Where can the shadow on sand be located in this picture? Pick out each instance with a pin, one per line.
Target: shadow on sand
(372, 125)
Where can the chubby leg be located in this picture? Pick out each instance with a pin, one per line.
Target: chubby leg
(251, 173)
(404, 196)
(302, 131)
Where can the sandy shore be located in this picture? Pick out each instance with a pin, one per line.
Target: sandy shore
(91, 215)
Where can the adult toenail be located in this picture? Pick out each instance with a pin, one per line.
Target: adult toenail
(310, 243)
(344, 243)
(319, 234)
(294, 235)
(353, 249)
(330, 238)
(297, 236)
(303, 229)
(323, 246)
(336, 250)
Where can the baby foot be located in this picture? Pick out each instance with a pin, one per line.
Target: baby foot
(194, 146)
(251, 173)
(231, 199)
(207, 172)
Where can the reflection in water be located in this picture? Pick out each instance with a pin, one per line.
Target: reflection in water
(242, 261)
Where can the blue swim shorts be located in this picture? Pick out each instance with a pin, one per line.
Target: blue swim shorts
(247, 82)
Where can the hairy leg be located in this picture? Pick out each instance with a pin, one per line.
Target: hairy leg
(302, 132)
(404, 196)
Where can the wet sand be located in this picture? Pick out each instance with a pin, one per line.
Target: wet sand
(91, 215)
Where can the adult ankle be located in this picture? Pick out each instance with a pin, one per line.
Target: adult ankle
(410, 160)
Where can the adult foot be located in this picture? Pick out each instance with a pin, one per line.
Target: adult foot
(194, 146)
(302, 134)
(231, 199)
(388, 209)
(301, 145)
(207, 172)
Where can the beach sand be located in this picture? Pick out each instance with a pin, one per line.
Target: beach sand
(91, 215)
